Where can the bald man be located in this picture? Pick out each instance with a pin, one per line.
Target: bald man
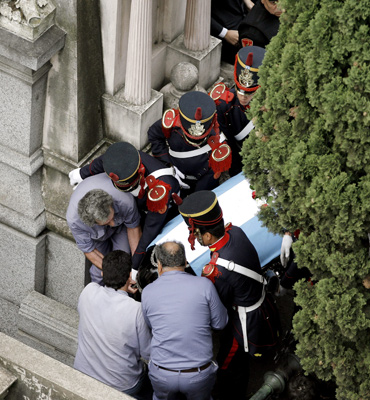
(181, 309)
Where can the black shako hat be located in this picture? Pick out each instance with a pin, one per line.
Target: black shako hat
(247, 63)
(197, 111)
(121, 162)
(200, 209)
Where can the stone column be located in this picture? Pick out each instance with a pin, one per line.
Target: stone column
(28, 40)
(196, 45)
(197, 24)
(72, 135)
(115, 20)
(139, 54)
(131, 110)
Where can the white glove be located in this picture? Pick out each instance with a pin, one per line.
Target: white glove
(133, 274)
(286, 244)
(75, 178)
(179, 176)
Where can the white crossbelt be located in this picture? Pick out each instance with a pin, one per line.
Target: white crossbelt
(162, 172)
(231, 266)
(173, 171)
(242, 311)
(196, 152)
(245, 132)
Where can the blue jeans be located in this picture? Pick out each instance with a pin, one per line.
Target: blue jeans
(193, 385)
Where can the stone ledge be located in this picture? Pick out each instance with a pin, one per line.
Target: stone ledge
(26, 164)
(49, 321)
(31, 54)
(6, 380)
(39, 376)
(23, 223)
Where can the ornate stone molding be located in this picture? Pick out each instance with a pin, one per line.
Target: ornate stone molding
(27, 18)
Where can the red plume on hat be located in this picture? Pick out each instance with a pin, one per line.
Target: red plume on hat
(249, 61)
(198, 114)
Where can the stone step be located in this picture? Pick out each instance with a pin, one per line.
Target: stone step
(6, 380)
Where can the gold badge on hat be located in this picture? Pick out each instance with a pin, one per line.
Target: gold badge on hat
(197, 129)
(246, 77)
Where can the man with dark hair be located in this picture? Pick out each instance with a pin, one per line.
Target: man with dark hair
(112, 333)
(181, 310)
(102, 219)
(235, 270)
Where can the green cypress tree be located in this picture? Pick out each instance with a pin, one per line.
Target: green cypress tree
(310, 154)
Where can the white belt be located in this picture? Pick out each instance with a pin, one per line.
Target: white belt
(242, 311)
(231, 266)
(173, 171)
(245, 132)
(194, 153)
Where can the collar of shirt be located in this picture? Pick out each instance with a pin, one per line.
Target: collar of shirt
(167, 273)
(122, 292)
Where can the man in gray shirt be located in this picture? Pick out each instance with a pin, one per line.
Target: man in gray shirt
(102, 219)
(182, 310)
(112, 333)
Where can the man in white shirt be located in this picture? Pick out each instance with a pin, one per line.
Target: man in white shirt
(112, 333)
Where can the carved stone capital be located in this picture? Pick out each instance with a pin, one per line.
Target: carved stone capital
(27, 18)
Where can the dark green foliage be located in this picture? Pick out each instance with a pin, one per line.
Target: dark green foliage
(311, 151)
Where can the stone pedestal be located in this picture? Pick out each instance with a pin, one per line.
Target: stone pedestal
(207, 61)
(24, 66)
(128, 122)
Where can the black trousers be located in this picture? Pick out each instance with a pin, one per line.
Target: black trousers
(233, 372)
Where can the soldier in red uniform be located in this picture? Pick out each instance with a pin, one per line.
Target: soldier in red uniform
(235, 270)
(189, 139)
(232, 104)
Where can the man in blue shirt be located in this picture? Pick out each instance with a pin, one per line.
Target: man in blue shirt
(102, 219)
(181, 310)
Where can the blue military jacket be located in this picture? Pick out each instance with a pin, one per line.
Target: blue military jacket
(237, 290)
(232, 119)
(197, 167)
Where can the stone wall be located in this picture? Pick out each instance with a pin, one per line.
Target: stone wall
(28, 374)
